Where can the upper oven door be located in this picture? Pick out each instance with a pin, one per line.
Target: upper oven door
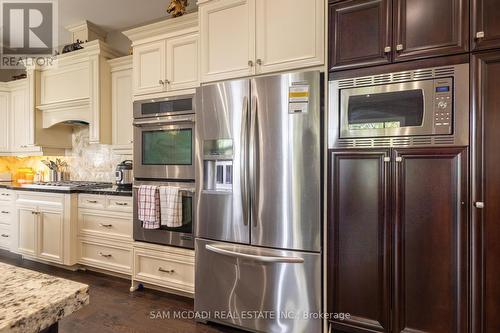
(401, 109)
(164, 149)
(160, 107)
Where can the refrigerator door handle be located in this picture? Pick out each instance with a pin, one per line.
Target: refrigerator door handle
(254, 161)
(244, 161)
(226, 251)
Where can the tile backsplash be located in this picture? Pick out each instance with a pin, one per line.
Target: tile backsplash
(86, 162)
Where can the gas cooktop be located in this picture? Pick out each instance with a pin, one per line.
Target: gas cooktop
(67, 185)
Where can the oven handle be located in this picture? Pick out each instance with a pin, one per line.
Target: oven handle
(220, 249)
(171, 120)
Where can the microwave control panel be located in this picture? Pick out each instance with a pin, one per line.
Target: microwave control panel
(443, 106)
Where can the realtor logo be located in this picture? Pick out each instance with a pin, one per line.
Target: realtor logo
(29, 31)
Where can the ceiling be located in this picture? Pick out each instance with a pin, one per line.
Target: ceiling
(111, 15)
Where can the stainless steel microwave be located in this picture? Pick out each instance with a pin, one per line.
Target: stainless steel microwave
(413, 108)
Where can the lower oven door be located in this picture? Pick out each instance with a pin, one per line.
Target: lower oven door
(164, 149)
(258, 289)
(180, 236)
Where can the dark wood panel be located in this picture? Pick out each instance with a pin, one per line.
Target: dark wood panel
(401, 66)
(358, 240)
(486, 188)
(359, 33)
(485, 19)
(430, 240)
(427, 28)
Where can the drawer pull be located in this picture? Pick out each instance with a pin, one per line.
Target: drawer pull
(5, 195)
(5, 212)
(105, 225)
(121, 203)
(105, 255)
(92, 201)
(5, 236)
(169, 271)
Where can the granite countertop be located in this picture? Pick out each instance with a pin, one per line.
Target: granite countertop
(112, 190)
(31, 301)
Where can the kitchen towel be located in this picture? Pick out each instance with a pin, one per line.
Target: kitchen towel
(149, 206)
(171, 206)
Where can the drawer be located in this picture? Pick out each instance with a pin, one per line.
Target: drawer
(169, 271)
(105, 256)
(5, 237)
(120, 204)
(102, 224)
(91, 201)
(6, 214)
(6, 195)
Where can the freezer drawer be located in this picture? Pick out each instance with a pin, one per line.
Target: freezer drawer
(258, 289)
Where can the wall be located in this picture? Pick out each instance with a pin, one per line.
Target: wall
(86, 162)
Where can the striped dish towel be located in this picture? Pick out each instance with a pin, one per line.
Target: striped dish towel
(149, 206)
(171, 206)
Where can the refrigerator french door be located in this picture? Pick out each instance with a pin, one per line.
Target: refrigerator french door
(258, 208)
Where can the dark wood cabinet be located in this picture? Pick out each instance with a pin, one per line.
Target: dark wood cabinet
(359, 260)
(427, 28)
(485, 24)
(486, 193)
(397, 240)
(359, 33)
(430, 240)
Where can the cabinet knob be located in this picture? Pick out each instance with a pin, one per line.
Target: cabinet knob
(131, 141)
(387, 49)
(480, 34)
(259, 62)
(250, 63)
(399, 47)
(167, 81)
(161, 82)
(479, 205)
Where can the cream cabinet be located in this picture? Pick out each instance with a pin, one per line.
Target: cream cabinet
(22, 119)
(246, 37)
(5, 125)
(227, 36)
(8, 236)
(46, 228)
(165, 56)
(122, 104)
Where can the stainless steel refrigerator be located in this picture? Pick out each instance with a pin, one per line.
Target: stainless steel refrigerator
(258, 203)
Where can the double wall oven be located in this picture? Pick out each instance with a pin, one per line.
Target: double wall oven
(164, 150)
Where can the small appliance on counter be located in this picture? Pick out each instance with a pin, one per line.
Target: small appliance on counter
(123, 174)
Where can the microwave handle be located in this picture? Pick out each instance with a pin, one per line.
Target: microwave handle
(176, 120)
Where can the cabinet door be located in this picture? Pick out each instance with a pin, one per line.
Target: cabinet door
(27, 232)
(430, 240)
(427, 28)
(289, 34)
(5, 128)
(227, 36)
(50, 235)
(122, 108)
(485, 24)
(182, 62)
(359, 33)
(20, 114)
(485, 189)
(358, 240)
(149, 68)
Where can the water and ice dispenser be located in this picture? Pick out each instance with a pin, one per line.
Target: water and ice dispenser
(218, 165)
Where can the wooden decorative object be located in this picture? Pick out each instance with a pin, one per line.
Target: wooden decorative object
(177, 7)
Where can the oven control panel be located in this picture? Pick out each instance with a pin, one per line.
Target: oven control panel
(443, 106)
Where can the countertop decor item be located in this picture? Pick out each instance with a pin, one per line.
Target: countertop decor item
(32, 301)
(177, 7)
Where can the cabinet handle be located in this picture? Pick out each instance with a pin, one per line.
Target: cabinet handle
(5, 195)
(105, 255)
(387, 49)
(105, 225)
(399, 47)
(92, 201)
(169, 271)
(250, 63)
(161, 82)
(479, 34)
(5, 212)
(121, 203)
(259, 62)
(5, 236)
(479, 205)
(167, 81)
